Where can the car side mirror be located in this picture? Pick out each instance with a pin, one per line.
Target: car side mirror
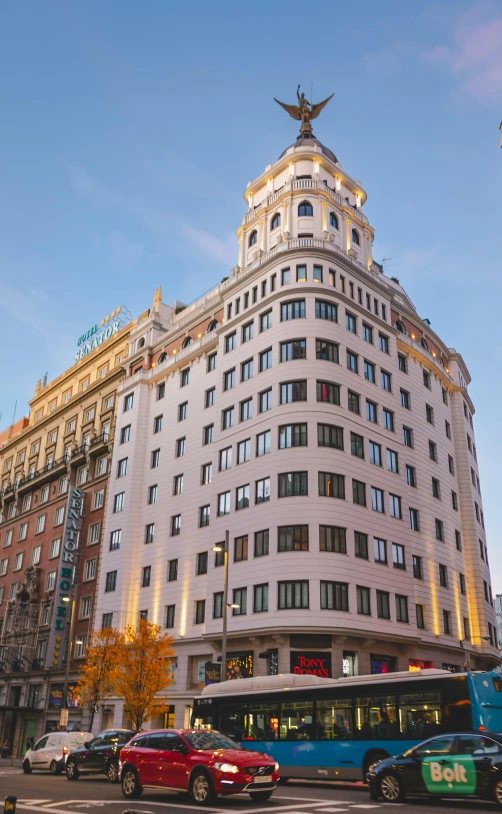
(182, 749)
(87, 745)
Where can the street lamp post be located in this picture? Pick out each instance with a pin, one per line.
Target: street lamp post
(69, 651)
(226, 603)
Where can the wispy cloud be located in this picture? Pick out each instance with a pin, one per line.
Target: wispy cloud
(26, 307)
(124, 253)
(160, 223)
(474, 56)
(383, 63)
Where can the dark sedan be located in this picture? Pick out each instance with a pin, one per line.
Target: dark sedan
(101, 755)
(467, 764)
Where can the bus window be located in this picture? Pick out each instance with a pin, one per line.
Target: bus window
(232, 721)
(261, 722)
(376, 718)
(456, 705)
(420, 714)
(334, 719)
(297, 721)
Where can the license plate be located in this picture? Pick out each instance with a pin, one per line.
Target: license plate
(261, 779)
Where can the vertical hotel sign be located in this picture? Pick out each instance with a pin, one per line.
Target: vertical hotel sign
(66, 573)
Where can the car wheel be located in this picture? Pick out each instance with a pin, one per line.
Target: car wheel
(55, 768)
(26, 767)
(497, 792)
(72, 773)
(112, 771)
(390, 788)
(201, 788)
(130, 784)
(260, 796)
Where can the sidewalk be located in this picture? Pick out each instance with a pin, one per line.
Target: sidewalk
(11, 761)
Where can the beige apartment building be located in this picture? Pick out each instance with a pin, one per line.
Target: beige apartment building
(56, 456)
(303, 406)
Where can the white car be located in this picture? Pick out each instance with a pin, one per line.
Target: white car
(50, 751)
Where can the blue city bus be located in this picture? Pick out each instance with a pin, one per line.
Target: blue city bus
(334, 729)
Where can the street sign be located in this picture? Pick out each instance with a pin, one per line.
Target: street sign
(63, 718)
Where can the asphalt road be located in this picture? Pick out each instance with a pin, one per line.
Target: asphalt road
(41, 792)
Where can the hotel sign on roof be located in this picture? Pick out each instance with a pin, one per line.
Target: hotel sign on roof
(95, 337)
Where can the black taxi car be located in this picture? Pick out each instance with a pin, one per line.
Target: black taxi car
(464, 764)
(100, 755)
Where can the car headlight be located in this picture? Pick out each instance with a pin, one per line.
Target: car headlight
(276, 767)
(373, 766)
(226, 767)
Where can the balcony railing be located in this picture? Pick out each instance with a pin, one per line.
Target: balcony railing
(304, 183)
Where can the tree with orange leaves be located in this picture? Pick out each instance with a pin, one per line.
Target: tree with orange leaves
(98, 673)
(143, 669)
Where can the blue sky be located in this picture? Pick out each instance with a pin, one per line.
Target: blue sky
(129, 132)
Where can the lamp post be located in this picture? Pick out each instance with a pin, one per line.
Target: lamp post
(69, 650)
(226, 603)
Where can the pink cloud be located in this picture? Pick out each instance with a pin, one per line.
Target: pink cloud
(474, 56)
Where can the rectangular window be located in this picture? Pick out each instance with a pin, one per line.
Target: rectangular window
(185, 377)
(461, 579)
(357, 445)
(293, 309)
(294, 594)
(230, 342)
(383, 343)
(242, 497)
(328, 351)
(358, 492)
(40, 524)
(157, 423)
(433, 455)
(414, 520)
(175, 525)
(443, 575)
(115, 539)
(334, 596)
(292, 435)
(405, 399)
(170, 614)
(398, 560)
(350, 322)
(293, 484)
(293, 350)
(260, 598)
(388, 420)
(263, 443)
(458, 542)
(371, 411)
(439, 529)
(326, 310)
(243, 451)
(225, 459)
(395, 506)
(436, 489)
(207, 435)
(367, 333)
(218, 605)
(429, 414)
(369, 371)
(331, 485)
(206, 474)
(262, 490)
(285, 276)
(417, 567)
(246, 410)
(427, 379)
(451, 465)
(317, 274)
(377, 499)
(420, 613)
(363, 600)
(200, 611)
(265, 321)
(183, 411)
(392, 461)
(111, 581)
(454, 500)
(447, 628)
(402, 608)
(385, 381)
(247, 331)
(172, 570)
(241, 548)
(333, 538)
(125, 434)
(265, 400)
(146, 575)
(90, 569)
(292, 538)
(265, 360)
(204, 516)
(352, 361)
(402, 363)
(261, 539)
(407, 437)
(227, 420)
(128, 402)
(246, 370)
(149, 533)
(211, 362)
(178, 484)
(411, 478)
(152, 494)
(383, 605)
(380, 550)
(223, 503)
(301, 274)
(361, 545)
(328, 392)
(201, 563)
(328, 435)
(353, 402)
(293, 391)
(210, 395)
(55, 548)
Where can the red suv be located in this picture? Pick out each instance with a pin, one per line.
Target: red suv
(202, 763)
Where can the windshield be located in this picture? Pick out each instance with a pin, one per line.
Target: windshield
(210, 741)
